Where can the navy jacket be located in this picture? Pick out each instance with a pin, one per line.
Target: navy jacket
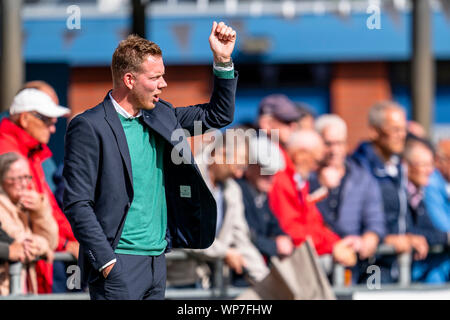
(262, 223)
(360, 206)
(419, 222)
(393, 188)
(98, 178)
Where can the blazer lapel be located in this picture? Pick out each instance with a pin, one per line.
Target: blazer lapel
(116, 126)
(162, 120)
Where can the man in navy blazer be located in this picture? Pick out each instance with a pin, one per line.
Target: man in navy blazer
(127, 196)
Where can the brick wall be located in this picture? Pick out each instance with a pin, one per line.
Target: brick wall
(186, 85)
(354, 88)
(88, 86)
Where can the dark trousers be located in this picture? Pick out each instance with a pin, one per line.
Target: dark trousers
(59, 277)
(133, 277)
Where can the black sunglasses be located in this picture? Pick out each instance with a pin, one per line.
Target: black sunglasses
(46, 120)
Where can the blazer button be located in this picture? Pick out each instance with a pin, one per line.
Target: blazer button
(128, 205)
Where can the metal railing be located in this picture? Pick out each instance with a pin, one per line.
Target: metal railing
(404, 261)
(222, 288)
(218, 291)
(15, 271)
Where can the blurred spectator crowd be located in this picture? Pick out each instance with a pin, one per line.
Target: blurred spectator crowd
(289, 177)
(277, 182)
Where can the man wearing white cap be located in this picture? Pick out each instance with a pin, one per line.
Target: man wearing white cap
(33, 115)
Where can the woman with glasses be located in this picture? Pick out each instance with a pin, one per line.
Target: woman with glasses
(26, 216)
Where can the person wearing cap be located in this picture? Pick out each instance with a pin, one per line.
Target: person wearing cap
(53, 178)
(278, 115)
(264, 161)
(27, 130)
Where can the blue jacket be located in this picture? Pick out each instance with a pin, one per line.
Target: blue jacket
(263, 225)
(393, 188)
(98, 179)
(360, 207)
(437, 202)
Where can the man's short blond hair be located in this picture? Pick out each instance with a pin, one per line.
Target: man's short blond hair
(130, 54)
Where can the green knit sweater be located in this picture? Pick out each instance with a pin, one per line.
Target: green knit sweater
(146, 223)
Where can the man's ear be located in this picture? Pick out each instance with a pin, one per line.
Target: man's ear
(128, 80)
(373, 133)
(23, 120)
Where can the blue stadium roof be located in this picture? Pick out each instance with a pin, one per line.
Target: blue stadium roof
(267, 38)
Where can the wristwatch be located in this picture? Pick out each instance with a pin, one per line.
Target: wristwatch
(227, 64)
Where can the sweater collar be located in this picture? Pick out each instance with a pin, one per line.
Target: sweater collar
(121, 110)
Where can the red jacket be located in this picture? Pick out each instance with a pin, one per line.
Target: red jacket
(15, 139)
(297, 217)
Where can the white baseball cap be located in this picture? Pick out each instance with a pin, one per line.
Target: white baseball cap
(35, 100)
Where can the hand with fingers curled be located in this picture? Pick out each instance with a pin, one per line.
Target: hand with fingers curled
(235, 260)
(31, 200)
(222, 40)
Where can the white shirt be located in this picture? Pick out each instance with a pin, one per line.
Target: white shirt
(121, 110)
(125, 114)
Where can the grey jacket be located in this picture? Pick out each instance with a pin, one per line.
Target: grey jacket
(360, 205)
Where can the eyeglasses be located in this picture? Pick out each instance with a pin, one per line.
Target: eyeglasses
(13, 180)
(46, 120)
(337, 143)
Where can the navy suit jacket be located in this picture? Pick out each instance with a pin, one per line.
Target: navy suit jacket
(98, 178)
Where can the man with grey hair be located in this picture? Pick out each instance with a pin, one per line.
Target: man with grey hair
(351, 204)
(381, 156)
(427, 266)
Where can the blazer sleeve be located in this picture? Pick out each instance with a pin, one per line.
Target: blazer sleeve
(81, 166)
(217, 113)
